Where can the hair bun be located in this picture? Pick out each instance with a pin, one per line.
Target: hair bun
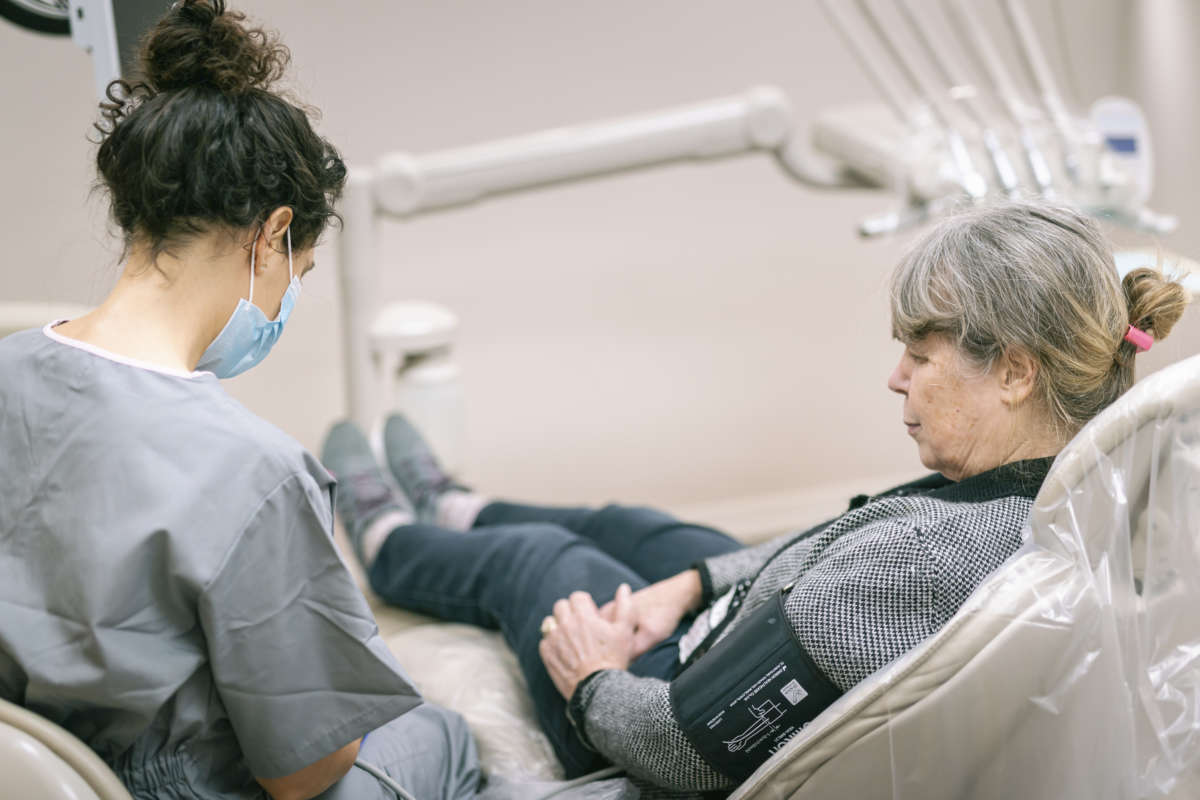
(199, 43)
(1155, 302)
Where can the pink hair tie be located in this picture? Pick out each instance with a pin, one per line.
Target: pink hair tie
(1139, 339)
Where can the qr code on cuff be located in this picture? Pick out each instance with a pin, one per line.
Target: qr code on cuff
(794, 692)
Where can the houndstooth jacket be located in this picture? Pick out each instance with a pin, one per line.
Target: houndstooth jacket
(869, 586)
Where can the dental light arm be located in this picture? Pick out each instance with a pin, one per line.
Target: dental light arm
(760, 119)
(402, 185)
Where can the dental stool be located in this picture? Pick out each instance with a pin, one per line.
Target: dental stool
(1072, 672)
(41, 761)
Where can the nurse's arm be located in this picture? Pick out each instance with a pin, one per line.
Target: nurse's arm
(315, 778)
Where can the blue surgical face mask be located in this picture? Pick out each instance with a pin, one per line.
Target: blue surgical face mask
(248, 335)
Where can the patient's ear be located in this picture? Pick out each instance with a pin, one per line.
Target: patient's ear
(1018, 371)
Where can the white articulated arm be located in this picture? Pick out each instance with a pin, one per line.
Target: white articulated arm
(404, 185)
(760, 119)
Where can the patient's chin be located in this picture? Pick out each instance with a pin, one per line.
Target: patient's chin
(931, 462)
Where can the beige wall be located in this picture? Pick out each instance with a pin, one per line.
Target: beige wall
(691, 334)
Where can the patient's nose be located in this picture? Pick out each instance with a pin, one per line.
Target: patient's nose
(898, 380)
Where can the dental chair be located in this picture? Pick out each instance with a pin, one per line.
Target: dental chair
(1072, 672)
(41, 761)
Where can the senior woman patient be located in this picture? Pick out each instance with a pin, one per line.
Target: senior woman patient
(1016, 329)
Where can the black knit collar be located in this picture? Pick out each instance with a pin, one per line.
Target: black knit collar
(1019, 479)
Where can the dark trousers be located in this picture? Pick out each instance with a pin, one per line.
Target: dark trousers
(510, 568)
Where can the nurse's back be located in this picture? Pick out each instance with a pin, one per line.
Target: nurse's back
(126, 488)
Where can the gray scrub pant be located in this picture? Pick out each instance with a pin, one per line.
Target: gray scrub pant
(429, 751)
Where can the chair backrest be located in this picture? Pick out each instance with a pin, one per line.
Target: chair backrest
(41, 761)
(20, 316)
(1074, 670)
(1124, 501)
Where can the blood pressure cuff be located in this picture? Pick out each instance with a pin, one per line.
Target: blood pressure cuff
(750, 693)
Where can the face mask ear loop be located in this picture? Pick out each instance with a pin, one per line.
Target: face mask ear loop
(291, 275)
(253, 250)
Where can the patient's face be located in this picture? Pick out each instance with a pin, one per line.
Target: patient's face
(952, 409)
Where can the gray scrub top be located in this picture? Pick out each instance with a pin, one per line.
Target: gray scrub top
(170, 591)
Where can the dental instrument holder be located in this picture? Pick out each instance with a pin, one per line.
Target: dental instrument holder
(926, 138)
(412, 346)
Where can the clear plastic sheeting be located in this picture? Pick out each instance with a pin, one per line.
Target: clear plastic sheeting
(611, 789)
(1125, 502)
(1074, 670)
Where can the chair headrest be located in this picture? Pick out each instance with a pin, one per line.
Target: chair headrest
(1101, 480)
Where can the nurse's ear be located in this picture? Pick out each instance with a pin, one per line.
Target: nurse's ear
(275, 229)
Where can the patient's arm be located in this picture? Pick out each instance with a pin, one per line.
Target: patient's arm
(315, 778)
(719, 574)
(629, 720)
(659, 608)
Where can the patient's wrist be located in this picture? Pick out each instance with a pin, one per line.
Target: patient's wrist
(690, 589)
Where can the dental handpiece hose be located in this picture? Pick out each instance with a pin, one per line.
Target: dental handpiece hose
(1005, 173)
(972, 182)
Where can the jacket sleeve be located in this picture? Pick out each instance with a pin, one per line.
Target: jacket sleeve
(721, 573)
(629, 720)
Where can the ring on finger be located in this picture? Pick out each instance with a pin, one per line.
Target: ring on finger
(549, 625)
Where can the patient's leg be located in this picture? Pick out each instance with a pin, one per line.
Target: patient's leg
(653, 544)
(508, 577)
(505, 576)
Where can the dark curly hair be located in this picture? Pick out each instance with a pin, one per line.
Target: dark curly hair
(201, 142)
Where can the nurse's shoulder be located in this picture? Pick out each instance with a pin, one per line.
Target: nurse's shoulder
(136, 453)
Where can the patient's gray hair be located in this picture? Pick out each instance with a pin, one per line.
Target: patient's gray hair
(1038, 277)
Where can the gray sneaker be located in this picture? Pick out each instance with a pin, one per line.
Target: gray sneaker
(363, 491)
(415, 467)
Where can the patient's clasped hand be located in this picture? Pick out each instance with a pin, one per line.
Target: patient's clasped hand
(1016, 329)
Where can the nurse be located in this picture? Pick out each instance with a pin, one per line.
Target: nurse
(169, 588)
